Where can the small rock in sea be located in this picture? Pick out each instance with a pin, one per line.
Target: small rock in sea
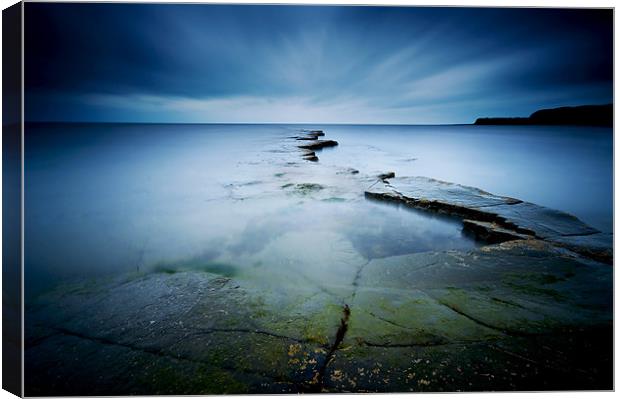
(318, 144)
(349, 171)
(307, 153)
(387, 175)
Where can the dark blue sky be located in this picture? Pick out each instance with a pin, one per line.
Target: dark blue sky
(211, 63)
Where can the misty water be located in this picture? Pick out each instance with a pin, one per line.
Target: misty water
(103, 200)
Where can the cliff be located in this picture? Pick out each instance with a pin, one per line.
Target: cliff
(585, 115)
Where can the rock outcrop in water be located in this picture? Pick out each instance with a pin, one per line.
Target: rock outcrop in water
(318, 144)
(311, 143)
(309, 156)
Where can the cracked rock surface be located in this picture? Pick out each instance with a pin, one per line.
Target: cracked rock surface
(506, 214)
(529, 307)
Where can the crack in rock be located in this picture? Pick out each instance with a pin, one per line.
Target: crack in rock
(476, 320)
(423, 345)
(205, 331)
(389, 321)
(358, 275)
(342, 330)
(163, 353)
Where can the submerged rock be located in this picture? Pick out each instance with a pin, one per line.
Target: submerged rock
(304, 188)
(351, 171)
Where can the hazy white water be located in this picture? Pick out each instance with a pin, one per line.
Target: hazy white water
(107, 199)
(562, 167)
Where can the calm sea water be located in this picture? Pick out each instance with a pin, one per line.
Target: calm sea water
(105, 199)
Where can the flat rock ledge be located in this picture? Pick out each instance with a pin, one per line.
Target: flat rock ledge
(494, 218)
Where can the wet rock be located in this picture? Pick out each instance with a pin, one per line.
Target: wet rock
(490, 232)
(310, 135)
(318, 144)
(597, 246)
(314, 132)
(309, 155)
(437, 317)
(327, 316)
(433, 190)
(312, 319)
(514, 289)
(387, 175)
(541, 363)
(500, 215)
(311, 142)
(182, 333)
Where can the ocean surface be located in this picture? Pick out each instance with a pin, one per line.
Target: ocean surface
(102, 200)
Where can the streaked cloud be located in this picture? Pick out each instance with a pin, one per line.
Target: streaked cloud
(198, 63)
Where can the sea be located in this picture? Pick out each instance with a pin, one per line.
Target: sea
(103, 200)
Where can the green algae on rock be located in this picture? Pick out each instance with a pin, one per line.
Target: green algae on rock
(344, 312)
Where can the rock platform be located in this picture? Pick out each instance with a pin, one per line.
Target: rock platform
(529, 309)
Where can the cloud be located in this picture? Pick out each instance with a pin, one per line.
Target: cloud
(241, 109)
(203, 63)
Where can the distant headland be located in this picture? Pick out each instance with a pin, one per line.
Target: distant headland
(584, 115)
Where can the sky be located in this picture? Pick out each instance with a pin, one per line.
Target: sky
(196, 63)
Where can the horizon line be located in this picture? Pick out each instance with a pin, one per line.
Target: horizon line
(244, 123)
